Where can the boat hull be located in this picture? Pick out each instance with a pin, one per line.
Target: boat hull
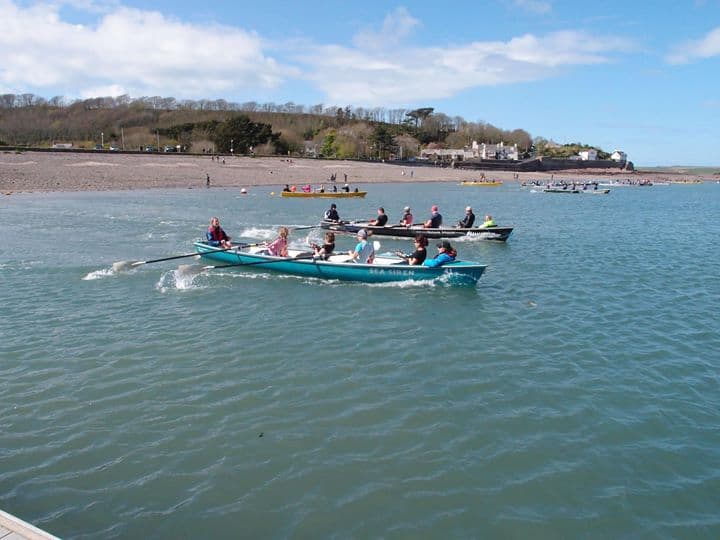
(323, 195)
(492, 233)
(481, 184)
(388, 270)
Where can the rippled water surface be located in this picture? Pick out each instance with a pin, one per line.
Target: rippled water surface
(572, 394)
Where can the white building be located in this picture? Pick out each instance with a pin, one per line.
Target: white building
(588, 155)
(482, 151)
(618, 155)
(495, 151)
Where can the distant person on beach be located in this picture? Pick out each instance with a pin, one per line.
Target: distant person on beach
(331, 214)
(381, 219)
(435, 220)
(489, 222)
(407, 217)
(216, 236)
(279, 246)
(323, 252)
(207, 180)
(467, 221)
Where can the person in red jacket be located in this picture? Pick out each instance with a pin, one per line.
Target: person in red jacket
(216, 236)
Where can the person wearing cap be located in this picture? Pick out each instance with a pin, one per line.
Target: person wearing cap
(489, 222)
(381, 219)
(446, 254)
(407, 218)
(468, 220)
(435, 220)
(331, 214)
(364, 253)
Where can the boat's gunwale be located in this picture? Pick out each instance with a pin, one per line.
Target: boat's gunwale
(492, 233)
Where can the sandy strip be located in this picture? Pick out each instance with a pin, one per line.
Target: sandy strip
(49, 171)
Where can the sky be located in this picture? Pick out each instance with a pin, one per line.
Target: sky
(641, 77)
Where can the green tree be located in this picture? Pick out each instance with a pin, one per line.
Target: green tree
(382, 141)
(329, 147)
(239, 133)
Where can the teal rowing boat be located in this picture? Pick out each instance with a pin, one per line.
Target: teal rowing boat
(302, 263)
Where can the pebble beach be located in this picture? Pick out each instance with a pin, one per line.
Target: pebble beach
(87, 171)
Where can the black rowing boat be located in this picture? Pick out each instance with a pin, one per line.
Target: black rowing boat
(400, 231)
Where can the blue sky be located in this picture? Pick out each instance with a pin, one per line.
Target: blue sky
(641, 77)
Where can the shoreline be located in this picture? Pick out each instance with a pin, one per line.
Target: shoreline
(29, 172)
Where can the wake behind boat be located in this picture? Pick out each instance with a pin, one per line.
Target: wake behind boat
(400, 231)
(340, 267)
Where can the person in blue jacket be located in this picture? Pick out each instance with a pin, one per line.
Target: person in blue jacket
(446, 254)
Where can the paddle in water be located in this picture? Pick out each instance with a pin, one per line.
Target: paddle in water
(129, 265)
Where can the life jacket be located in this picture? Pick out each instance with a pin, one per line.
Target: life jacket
(216, 234)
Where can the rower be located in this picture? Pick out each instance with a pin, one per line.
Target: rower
(407, 219)
(489, 222)
(381, 219)
(467, 221)
(435, 221)
(331, 214)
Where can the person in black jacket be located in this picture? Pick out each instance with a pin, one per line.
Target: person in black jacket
(468, 220)
(331, 214)
(381, 219)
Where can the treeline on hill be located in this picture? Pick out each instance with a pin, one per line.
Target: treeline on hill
(268, 128)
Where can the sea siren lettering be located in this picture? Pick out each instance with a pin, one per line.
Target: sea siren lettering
(393, 272)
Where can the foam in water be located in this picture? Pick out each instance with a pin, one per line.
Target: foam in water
(180, 279)
(100, 274)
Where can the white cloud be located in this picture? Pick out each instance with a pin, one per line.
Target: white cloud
(144, 52)
(397, 25)
(419, 74)
(135, 52)
(707, 47)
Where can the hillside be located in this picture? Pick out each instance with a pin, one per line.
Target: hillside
(28, 120)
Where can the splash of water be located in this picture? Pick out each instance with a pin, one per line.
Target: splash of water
(100, 274)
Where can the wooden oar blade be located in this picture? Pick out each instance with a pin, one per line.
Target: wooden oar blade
(191, 269)
(123, 266)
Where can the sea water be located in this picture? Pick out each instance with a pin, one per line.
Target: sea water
(573, 393)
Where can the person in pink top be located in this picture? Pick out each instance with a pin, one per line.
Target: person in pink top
(279, 246)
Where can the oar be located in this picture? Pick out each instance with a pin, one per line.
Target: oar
(214, 266)
(303, 227)
(127, 265)
(195, 269)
